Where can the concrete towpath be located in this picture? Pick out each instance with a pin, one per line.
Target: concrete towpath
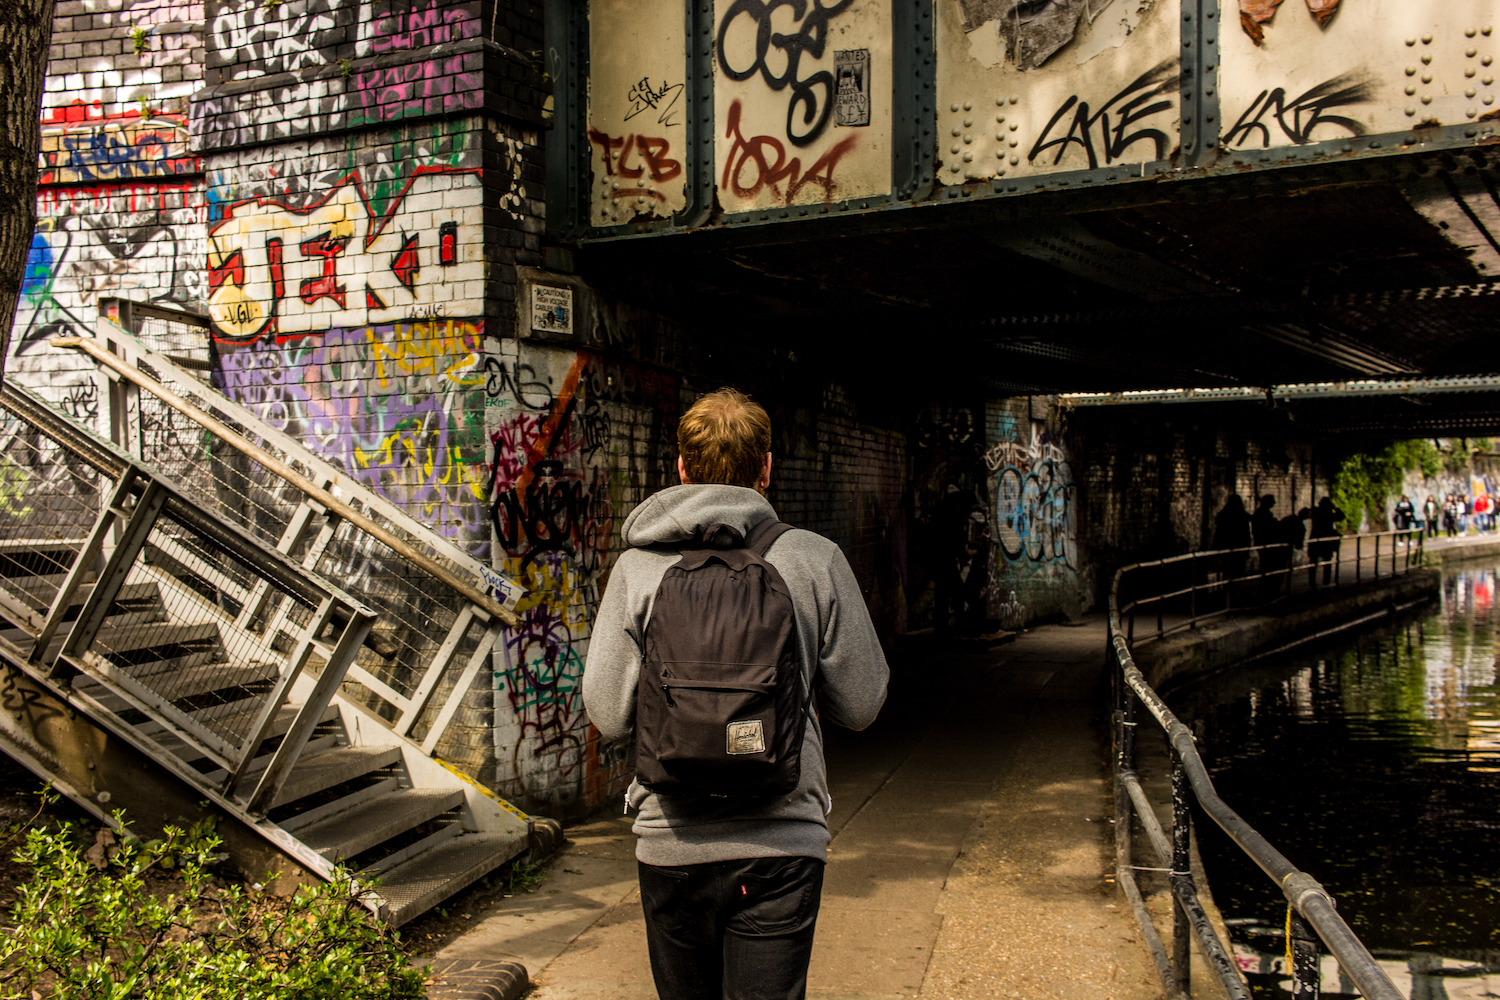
(971, 849)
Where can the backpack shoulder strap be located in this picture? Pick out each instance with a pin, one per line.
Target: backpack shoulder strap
(763, 534)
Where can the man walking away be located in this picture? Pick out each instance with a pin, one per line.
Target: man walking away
(1430, 511)
(1450, 516)
(730, 882)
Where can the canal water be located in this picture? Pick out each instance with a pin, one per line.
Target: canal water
(1373, 765)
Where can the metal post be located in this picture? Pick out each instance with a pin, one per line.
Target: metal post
(1377, 557)
(1182, 931)
(96, 608)
(1302, 949)
(113, 512)
(1193, 592)
(1357, 559)
(285, 758)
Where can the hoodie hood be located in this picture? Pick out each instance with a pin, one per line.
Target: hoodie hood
(679, 513)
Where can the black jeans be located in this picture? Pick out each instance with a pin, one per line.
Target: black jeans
(732, 930)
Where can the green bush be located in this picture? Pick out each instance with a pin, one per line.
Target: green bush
(1366, 481)
(148, 921)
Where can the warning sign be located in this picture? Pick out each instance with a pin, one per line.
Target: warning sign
(552, 310)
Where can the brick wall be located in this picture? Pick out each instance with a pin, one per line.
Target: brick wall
(121, 207)
(1152, 479)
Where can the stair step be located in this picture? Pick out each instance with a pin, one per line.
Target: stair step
(13, 546)
(307, 817)
(348, 833)
(414, 887)
(207, 678)
(238, 724)
(319, 771)
(42, 590)
(190, 683)
(145, 638)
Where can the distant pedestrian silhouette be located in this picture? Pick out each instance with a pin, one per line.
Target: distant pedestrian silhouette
(1232, 531)
(1324, 517)
(1268, 531)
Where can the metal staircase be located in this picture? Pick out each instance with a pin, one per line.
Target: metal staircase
(193, 614)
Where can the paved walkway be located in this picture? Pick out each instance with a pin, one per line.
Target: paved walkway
(970, 854)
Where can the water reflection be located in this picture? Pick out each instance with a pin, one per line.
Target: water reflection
(1374, 766)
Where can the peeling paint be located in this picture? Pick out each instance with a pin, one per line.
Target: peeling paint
(1111, 24)
(1032, 30)
(1323, 10)
(1254, 13)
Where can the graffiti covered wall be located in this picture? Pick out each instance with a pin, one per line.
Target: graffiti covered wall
(121, 206)
(1326, 70)
(1038, 557)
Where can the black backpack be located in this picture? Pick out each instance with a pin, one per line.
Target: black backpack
(720, 708)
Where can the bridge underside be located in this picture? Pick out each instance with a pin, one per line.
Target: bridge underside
(1309, 274)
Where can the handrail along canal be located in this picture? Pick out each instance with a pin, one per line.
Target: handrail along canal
(1311, 910)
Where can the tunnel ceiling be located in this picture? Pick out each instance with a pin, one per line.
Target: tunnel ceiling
(1326, 282)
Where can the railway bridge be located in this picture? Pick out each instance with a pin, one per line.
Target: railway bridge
(1030, 289)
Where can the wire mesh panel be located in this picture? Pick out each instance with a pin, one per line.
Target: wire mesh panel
(192, 663)
(49, 501)
(415, 615)
(426, 634)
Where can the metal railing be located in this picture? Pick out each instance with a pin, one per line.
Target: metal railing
(110, 569)
(1311, 911)
(1198, 586)
(438, 605)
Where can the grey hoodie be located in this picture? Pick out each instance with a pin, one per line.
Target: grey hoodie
(837, 641)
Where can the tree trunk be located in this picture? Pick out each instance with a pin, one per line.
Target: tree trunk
(25, 33)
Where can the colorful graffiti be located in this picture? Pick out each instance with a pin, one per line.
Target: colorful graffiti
(1036, 518)
(398, 407)
(275, 271)
(82, 144)
(562, 468)
(143, 241)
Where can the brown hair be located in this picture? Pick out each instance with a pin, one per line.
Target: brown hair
(724, 438)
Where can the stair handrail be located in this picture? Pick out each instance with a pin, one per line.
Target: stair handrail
(115, 363)
(157, 496)
(1310, 908)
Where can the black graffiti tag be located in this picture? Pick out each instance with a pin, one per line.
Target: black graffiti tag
(809, 40)
(1106, 130)
(501, 379)
(1298, 117)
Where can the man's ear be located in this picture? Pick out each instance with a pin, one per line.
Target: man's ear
(764, 482)
(682, 472)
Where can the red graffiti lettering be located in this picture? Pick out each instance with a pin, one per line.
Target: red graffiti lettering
(327, 284)
(231, 270)
(405, 265)
(751, 154)
(652, 161)
(278, 275)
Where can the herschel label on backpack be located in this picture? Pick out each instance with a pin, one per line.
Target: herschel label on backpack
(720, 704)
